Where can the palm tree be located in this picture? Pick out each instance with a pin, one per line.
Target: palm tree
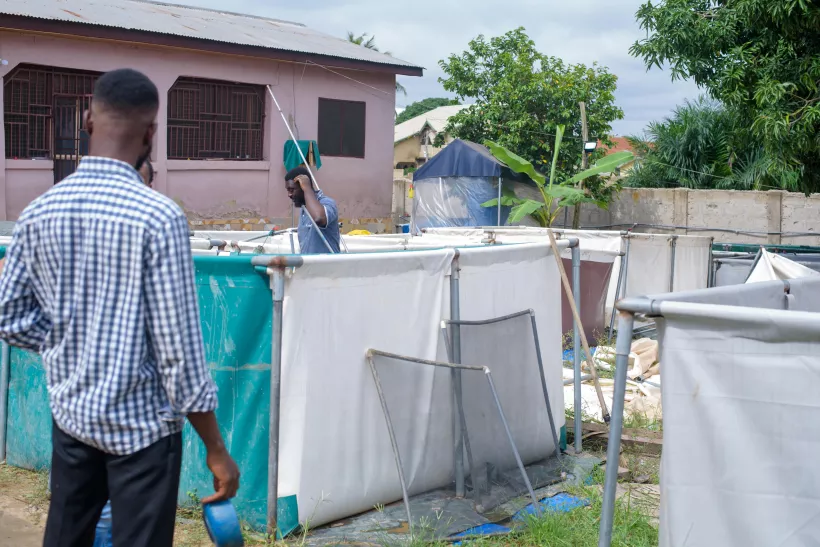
(370, 43)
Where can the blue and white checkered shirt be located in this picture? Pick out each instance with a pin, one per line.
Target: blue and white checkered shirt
(99, 279)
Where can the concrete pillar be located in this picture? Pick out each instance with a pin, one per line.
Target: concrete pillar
(680, 212)
(774, 213)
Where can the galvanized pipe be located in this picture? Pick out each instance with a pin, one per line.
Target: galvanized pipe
(518, 461)
(576, 346)
(623, 346)
(5, 365)
(455, 332)
(275, 266)
(553, 429)
(673, 242)
(620, 289)
(392, 433)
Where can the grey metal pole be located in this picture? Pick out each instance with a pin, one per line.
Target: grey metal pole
(276, 266)
(626, 321)
(518, 461)
(5, 364)
(553, 430)
(455, 330)
(673, 242)
(396, 455)
(499, 201)
(278, 286)
(709, 274)
(621, 284)
(576, 348)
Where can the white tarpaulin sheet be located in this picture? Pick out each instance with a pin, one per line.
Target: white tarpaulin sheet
(741, 426)
(772, 266)
(335, 453)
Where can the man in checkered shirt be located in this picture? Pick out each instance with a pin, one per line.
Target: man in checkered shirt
(99, 279)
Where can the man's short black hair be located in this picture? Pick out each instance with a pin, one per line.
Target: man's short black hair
(296, 171)
(126, 90)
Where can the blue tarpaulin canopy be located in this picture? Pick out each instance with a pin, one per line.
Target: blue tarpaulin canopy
(452, 186)
(461, 159)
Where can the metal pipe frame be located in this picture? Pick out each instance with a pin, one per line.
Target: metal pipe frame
(455, 344)
(371, 353)
(537, 343)
(313, 180)
(673, 243)
(275, 267)
(620, 289)
(653, 308)
(553, 430)
(710, 270)
(576, 349)
(623, 346)
(5, 366)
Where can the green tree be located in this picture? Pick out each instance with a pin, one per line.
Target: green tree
(521, 94)
(369, 42)
(420, 107)
(699, 146)
(759, 58)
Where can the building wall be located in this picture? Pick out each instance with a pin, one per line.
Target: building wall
(776, 217)
(217, 191)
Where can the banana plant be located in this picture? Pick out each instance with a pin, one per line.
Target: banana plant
(555, 195)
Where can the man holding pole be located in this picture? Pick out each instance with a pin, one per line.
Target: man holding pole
(319, 221)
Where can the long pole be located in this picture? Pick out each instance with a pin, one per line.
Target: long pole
(313, 180)
(275, 267)
(576, 218)
(455, 329)
(623, 346)
(499, 201)
(577, 318)
(278, 286)
(576, 347)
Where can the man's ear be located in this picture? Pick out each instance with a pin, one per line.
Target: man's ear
(89, 123)
(149, 134)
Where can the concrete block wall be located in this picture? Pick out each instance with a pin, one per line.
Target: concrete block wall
(694, 211)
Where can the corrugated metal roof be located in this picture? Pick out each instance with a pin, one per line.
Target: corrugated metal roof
(198, 23)
(436, 119)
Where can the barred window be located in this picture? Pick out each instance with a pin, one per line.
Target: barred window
(341, 128)
(209, 119)
(42, 113)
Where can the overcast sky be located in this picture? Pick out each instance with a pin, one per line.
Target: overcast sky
(581, 31)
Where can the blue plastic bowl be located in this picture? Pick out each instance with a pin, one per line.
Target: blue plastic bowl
(222, 524)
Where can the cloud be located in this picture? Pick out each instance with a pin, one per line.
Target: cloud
(584, 31)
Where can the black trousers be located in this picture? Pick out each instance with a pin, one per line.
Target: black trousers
(142, 487)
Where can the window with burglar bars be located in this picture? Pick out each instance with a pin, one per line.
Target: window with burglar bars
(209, 119)
(43, 115)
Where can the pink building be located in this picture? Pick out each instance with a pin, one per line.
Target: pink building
(219, 145)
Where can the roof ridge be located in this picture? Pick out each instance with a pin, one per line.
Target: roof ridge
(224, 12)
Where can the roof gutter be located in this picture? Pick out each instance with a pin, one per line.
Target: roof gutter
(100, 32)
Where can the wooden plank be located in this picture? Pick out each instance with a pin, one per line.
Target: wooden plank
(650, 442)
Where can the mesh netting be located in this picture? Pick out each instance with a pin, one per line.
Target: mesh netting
(509, 348)
(493, 452)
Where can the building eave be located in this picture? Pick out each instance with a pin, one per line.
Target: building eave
(82, 30)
